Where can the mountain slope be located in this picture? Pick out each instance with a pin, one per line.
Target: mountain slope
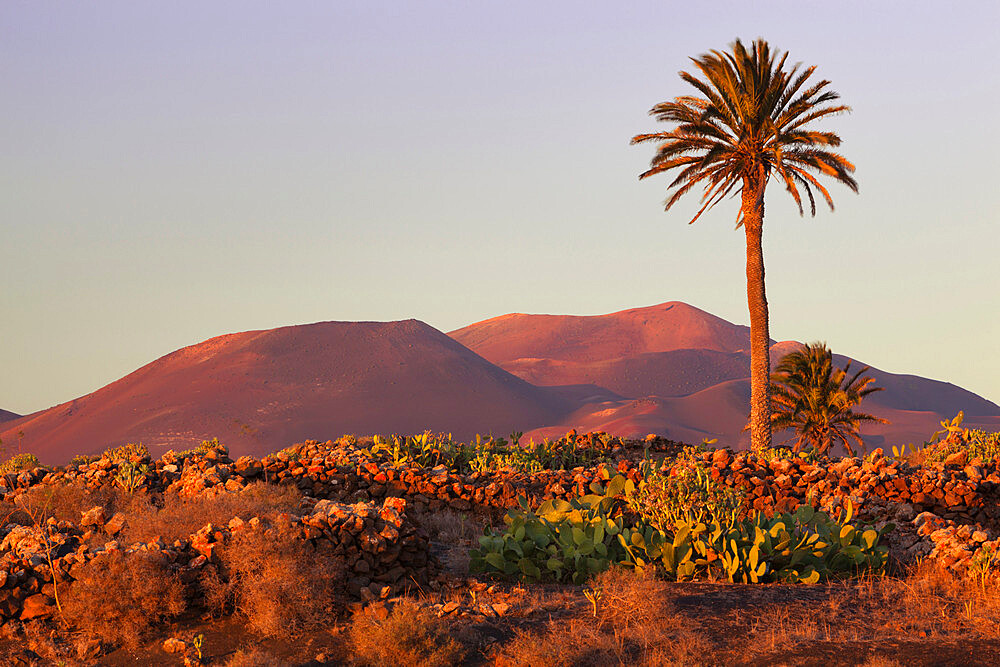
(690, 368)
(6, 415)
(588, 338)
(262, 390)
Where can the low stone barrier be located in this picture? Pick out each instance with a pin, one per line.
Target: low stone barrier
(383, 550)
(961, 491)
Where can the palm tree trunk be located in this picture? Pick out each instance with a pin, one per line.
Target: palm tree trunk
(760, 362)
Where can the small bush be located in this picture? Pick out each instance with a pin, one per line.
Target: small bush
(118, 599)
(408, 635)
(277, 580)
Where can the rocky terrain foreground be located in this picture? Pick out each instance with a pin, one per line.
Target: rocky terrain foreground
(377, 531)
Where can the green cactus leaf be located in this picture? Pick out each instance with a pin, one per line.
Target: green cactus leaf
(528, 568)
(496, 560)
(805, 513)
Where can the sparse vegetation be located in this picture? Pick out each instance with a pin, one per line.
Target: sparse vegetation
(406, 635)
(954, 439)
(279, 584)
(620, 547)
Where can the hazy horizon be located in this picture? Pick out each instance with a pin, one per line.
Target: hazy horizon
(177, 173)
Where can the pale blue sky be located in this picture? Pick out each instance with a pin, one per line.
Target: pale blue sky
(174, 171)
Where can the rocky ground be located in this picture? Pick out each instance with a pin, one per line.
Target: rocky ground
(397, 535)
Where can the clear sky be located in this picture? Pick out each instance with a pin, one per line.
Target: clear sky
(174, 171)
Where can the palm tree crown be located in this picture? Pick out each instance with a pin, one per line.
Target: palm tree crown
(749, 125)
(818, 400)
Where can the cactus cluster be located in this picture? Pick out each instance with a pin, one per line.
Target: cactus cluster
(954, 438)
(487, 454)
(128, 452)
(803, 546)
(561, 540)
(131, 475)
(573, 540)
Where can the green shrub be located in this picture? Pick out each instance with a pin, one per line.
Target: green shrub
(20, 462)
(201, 449)
(687, 490)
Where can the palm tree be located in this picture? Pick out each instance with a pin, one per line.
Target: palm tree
(818, 401)
(749, 126)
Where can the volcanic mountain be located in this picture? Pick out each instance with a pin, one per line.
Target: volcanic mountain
(259, 391)
(684, 373)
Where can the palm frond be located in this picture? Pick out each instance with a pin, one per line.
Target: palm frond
(749, 120)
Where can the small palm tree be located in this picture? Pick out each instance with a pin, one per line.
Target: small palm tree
(818, 401)
(749, 126)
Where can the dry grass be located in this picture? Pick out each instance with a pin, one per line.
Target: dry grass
(173, 517)
(255, 657)
(451, 526)
(168, 516)
(119, 599)
(928, 603)
(63, 502)
(644, 621)
(634, 623)
(881, 661)
(408, 636)
(279, 582)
